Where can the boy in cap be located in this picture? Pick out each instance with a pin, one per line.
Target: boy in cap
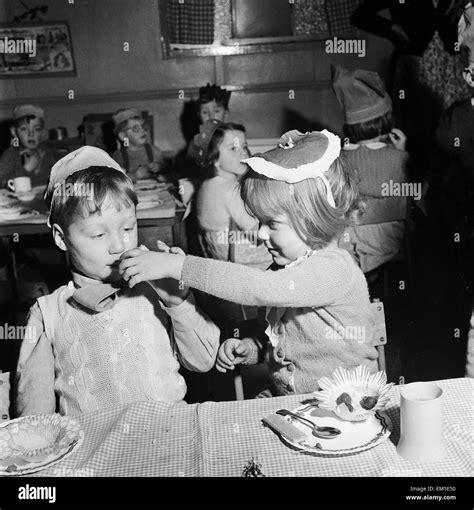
(376, 152)
(27, 157)
(96, 343)
(139, 158)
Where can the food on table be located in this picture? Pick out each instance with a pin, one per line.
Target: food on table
(354, 395)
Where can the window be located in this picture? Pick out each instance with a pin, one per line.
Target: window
(228, 27)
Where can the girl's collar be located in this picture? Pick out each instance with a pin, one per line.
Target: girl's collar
(369, 145)
(306, 256)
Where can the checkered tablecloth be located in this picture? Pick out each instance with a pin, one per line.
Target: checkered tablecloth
(219, 438)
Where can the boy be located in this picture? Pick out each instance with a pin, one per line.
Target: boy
(139, 158)
(27, 157)
(96, 344)
(213, 103)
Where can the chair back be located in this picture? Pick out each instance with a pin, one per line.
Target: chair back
(380, 331)
(4, 396)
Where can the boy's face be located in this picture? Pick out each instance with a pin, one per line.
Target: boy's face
(135, 132)
(95, 243)
(30, 133)
(212, 111)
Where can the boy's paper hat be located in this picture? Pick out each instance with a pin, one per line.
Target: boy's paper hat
(210, 92)
(199, 148)
(361, 94)
(125, 114)
(23, 110)
(73, 162)
(298, 157)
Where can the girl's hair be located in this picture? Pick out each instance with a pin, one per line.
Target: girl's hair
(208, 170)
(305, 203)
(370, 129)
(84, 193)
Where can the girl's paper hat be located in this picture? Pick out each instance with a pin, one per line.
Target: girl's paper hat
(298, 157)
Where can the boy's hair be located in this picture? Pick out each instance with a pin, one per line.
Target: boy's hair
(369, 129)
(305, 202)
(26, 119)
(208, 170)
(214, 93)
(96, 183)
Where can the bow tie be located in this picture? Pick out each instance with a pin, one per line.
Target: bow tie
(98, 296)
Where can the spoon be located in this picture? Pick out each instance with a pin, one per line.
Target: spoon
(321, 432)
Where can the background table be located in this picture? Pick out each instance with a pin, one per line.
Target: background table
(219, 438)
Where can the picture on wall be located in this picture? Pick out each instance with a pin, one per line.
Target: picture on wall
(36, 49)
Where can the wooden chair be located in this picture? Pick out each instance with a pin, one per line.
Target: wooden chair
(4, 396)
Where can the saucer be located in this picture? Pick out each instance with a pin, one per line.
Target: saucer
(25, 196)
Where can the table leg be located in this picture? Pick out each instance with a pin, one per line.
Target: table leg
(12, 273)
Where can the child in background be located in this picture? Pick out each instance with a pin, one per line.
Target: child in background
(139, 158)
(316, 296)
(213, 103)
(376, 152)
(27, 157)
(220, 212)
(95, 343)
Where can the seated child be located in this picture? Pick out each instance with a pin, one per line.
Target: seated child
(377, 153)
(95, 343)
(223, 221)
(27, 157)
(213, 103)
(315, 295)
(139, 158)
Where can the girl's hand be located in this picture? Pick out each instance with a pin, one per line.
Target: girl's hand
(137, 266)
(154, 167)
(171, 292)
(398, 139)
(232, 352)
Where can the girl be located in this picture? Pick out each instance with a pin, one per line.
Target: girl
(318, 308)
(220, 212)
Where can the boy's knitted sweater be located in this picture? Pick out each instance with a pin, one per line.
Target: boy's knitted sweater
(93, 360)
(318, 310)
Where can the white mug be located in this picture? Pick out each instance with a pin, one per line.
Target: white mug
(421, 423)
(20, 184)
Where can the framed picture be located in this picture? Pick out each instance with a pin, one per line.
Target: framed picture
(36, 49)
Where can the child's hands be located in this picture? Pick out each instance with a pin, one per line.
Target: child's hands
(398, 139)
(154, 167)
(141, 173)
(232, 352)
(171, 292)
(137, 266)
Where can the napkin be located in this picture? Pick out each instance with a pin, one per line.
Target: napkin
(282, 426)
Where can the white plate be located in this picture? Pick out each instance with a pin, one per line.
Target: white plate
(26, 196)
(149, 185)
(149, 203)
(32, 443)
(13, 214)
(355, 437)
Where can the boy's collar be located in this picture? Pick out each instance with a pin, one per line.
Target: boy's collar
(95, 295)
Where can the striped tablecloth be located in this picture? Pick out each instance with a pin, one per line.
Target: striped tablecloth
(219, 438)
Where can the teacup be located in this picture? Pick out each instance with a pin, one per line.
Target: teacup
(19, 184)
